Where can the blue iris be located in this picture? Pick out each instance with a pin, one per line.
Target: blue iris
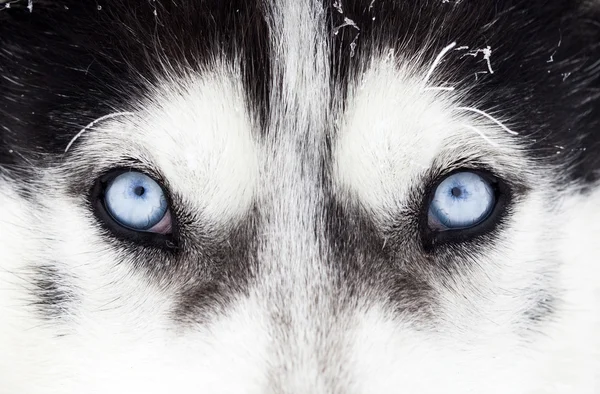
(135, 201)
(462, 200)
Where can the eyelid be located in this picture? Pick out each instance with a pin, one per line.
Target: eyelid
(165, 226)
(128, 163)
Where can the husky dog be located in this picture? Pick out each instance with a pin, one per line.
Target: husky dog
(299, 196)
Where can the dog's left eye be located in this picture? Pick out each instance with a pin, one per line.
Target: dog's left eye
(135, 207)
(461, 201)
(136, 202)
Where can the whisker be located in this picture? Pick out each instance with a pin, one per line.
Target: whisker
(475, 129)
(436, 62)
(446, 88)
(94, 123)
(490, 117)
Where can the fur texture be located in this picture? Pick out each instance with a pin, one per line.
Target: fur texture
(299, 142)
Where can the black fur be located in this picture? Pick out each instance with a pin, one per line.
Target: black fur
(70, 62)
(54, 296)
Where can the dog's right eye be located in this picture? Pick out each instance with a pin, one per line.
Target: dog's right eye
(136, 201)
(461, 201)
(134, 207)
(463, 206)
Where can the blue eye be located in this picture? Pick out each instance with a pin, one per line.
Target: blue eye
(463, 200)
(137, 202)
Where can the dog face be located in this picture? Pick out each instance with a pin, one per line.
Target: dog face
(299, 196)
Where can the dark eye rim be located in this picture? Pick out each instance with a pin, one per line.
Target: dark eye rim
(108, 223)
(432, 238)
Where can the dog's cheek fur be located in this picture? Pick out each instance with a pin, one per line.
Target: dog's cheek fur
(86, 321)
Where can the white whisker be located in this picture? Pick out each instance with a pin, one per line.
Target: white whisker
(446, 88)
(436, 62)
(92, 124)
(486, 138)
(490, 117)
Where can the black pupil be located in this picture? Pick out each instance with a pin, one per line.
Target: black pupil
(456, 192)
(139, 191)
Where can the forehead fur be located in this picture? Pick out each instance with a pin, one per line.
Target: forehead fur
(105, 53)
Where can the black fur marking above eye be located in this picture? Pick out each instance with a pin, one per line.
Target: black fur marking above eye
(54, 297)
(547, 86)
(71, 62)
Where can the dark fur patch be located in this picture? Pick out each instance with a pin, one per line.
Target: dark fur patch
(544, 305)
(54, 297)
(368, 266)
(211, 274)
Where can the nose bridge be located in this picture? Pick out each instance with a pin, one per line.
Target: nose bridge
(295, 139)
(294, 279)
